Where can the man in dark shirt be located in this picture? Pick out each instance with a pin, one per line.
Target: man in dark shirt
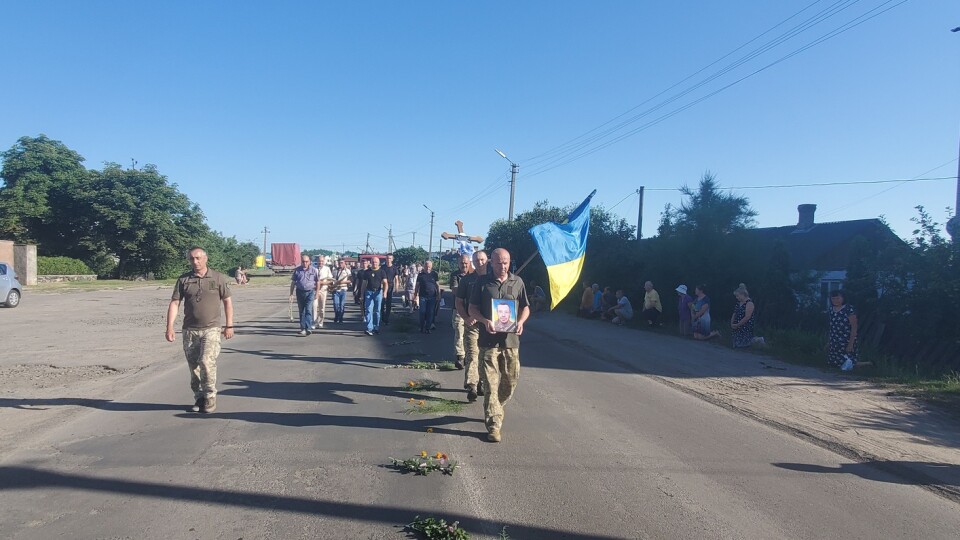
(426, 294)
(473, 376)
(374, 285)
(500, 351)
(465, 268)
(393, 278)
(202, 291)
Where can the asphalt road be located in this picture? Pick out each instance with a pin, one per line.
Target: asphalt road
(305, 427)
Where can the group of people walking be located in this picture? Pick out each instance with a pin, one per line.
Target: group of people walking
(491, 307)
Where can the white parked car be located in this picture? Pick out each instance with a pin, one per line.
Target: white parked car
(10, 288)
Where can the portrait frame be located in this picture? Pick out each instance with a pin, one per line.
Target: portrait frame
(497, 312)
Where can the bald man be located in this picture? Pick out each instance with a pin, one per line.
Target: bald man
(500, 351)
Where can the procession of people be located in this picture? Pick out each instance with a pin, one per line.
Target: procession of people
(490, 309)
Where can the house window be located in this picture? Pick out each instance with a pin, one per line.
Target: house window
(827, 286)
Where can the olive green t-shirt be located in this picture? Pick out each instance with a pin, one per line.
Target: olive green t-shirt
(201, 298)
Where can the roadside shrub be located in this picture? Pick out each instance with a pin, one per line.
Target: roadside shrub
(62, 266)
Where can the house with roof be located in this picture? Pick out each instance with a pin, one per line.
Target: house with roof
(823, 248)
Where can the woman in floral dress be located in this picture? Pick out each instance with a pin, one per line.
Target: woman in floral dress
(842, 339)
(743, 319)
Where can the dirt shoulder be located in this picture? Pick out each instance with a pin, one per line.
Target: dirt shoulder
(859, 419)
(67, 351)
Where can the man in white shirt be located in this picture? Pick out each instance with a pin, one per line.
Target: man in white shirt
(320, 300)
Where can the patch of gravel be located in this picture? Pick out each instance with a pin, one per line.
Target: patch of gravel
(48, 375)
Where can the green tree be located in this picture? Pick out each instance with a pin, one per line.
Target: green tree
(409, 255)
(707, 210)
(43, 182)
(144, 221)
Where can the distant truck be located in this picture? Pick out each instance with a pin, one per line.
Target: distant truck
(284, 257)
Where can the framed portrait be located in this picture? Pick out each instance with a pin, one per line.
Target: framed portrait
(504, 314)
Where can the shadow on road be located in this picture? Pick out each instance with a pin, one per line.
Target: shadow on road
(370, 422)
(29, 478)
(913, 473)
(318, 391)
(102, 404)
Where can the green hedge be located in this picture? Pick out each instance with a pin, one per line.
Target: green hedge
(62, 266)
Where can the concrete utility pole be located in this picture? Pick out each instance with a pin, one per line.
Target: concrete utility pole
(367, 250)
(265, 231)
(414, 243)
(640, 214)
(430, 251)
(514, 168)
(953, 225)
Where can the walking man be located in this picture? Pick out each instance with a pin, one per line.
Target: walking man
(465, 269)
(320, 300)
(500, 351)
(341, 282)
(203, 291)
(305, 282)
(473, 377)
(393, 278)
(426, 294)
(374, 287)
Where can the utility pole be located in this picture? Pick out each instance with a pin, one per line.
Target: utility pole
(953, 225)
(430, 251)
(514, 168)
(391, 247)
(414, 243)
(367, 249)
(265, 231)
(640, 214)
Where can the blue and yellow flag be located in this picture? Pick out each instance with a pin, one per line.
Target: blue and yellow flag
(563, 248)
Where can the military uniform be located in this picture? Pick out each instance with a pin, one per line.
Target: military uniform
(202, 298)
(473, 372)
(456, 321)
(500, 352)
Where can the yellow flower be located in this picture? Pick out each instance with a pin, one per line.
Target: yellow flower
(411, 384)
(411, 400)
(423, 453)
(422, 403)
(439, 455)
(429, 430)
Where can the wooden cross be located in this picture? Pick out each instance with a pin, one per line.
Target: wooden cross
(460, 236)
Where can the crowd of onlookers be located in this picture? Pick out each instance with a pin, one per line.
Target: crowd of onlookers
(693, 309)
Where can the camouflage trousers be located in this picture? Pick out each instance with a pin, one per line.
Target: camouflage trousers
(202, 347)
(502, 369)
(458, 327)
(472, 363)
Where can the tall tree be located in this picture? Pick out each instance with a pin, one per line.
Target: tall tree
(39, 197)
(708, 210)
(145, 221)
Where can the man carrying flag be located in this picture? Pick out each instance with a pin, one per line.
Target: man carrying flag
(563, 247)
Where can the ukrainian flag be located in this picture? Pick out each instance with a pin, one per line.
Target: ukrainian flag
(563, 247)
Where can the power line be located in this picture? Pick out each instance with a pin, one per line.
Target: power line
(820, 184)
(569, 146)
(860, 200)
(564, 160)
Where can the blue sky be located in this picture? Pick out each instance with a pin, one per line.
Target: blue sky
(327, 121)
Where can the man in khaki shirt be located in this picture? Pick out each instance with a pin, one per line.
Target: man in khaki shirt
(202, 290)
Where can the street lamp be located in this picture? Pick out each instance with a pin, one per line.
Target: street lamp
(430, 253)
(513, 180)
